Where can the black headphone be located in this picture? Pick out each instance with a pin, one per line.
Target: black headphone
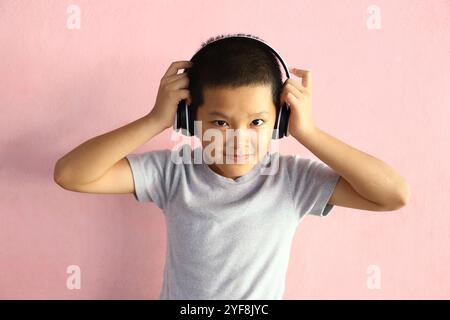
(184, 120)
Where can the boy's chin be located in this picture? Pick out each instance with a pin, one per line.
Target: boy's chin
(235, 170)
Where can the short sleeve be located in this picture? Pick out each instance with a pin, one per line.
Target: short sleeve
(152, 174)
(311, 185)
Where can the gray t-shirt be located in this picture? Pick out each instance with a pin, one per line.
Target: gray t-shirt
(229, 239)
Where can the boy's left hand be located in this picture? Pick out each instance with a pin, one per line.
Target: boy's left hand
(299, 97)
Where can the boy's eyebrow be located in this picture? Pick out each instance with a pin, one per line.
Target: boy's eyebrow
(217, 113)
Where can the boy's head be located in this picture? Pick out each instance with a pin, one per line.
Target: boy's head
(235, 86)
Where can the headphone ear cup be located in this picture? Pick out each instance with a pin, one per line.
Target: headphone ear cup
(284, 123)
(191, 119)
(276, 130)
(180, 121)
(281, 122)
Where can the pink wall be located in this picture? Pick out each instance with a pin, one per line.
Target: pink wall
(384, 91)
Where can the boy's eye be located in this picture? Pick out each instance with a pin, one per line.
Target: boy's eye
(219, 122)
(257, 120)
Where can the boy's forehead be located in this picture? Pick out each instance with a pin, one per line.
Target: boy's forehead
(246, 99)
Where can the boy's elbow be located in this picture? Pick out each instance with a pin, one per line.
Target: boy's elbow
(60, 182)
(401, 199)
(58, 173)
(405, 194)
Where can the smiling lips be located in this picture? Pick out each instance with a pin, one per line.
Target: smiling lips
(237, 158)
(238, 155)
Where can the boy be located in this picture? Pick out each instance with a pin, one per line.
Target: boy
(230, 227)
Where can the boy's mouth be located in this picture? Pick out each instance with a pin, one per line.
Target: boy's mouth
(239, 157)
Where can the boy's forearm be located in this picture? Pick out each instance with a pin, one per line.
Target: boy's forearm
(91, 159)
(370, 177)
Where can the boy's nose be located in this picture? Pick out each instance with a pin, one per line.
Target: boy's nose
(239, 136)
(240, 132)
(240, 145)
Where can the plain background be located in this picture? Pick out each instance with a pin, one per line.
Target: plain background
(384, 91)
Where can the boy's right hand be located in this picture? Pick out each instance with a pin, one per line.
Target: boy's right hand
(172, 89)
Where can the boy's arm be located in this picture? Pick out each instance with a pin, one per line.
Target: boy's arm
(366, 182)
(93, 158)
(98, 165)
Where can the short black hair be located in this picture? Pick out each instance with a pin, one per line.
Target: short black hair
(233, 62)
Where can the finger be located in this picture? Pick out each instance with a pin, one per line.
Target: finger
(184, 94)
(292, 99)
(297, 85)
(175, 66)
(173, 78)
(291, 89)
(178, 84)
(305, 75)
(294, 90)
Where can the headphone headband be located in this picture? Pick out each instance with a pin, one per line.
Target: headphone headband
(277, 55)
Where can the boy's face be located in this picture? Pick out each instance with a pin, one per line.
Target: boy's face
(236, 121)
